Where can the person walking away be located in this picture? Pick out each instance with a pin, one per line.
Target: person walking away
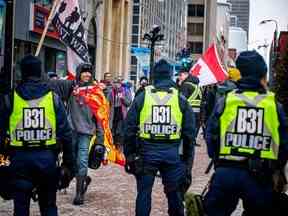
(35, 119)
(152, 141)
(189, 87)
(247, 139)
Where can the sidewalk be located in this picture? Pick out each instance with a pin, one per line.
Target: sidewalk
(112, 193)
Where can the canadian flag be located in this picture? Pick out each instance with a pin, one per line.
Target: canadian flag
(208, 68)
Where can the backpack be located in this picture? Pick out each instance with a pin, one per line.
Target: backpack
(194, 204)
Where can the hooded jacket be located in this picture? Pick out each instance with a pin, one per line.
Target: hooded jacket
(80, 115)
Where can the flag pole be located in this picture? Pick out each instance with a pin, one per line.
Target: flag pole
(55, 3)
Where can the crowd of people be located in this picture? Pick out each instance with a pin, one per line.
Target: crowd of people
(156, 128)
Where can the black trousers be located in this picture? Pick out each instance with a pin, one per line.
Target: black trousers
(34, 170)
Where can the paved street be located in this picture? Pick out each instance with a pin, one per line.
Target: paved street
(112, 193)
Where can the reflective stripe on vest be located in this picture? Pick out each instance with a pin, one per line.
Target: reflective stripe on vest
(160, 117)
(33, 122)
(249, 126)
(195, 98)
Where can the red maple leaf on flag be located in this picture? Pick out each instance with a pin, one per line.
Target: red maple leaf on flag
(208, 68)
(197, 69)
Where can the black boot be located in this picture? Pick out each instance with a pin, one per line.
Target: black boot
(79, 197)
(86, 183)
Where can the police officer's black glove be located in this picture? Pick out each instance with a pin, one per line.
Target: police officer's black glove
(6, 187)
(187, 180)
(4, 142)
(65, 177)
(134, 164)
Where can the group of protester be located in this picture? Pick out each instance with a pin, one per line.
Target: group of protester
(156, 129)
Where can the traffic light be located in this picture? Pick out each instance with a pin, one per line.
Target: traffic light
(186, 63)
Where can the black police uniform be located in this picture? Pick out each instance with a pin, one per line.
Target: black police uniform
(34, 167)
(145, 157)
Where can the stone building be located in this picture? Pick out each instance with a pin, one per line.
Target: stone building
(201, 25)
(112, 27)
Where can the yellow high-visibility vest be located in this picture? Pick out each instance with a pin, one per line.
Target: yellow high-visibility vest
(161, 116)
(249, 126)
(195, 98)
(33, 122)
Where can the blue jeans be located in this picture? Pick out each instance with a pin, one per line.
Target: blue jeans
(81, 143)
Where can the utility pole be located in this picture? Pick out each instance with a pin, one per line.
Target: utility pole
(9, 43)
(152, 55)
(153, 37)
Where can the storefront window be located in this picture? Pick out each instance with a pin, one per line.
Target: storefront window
(43, 2)
(61, 64)
(2, 20)
(55, 61)
(50, 60)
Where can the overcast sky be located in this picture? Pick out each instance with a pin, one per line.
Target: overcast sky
(266, 9)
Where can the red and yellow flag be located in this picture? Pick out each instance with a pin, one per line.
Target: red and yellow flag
(96, 100)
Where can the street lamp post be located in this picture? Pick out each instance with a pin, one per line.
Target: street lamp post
(275, 52)
(9, 40)
(7, 23)
(275, 39)
(153, 36)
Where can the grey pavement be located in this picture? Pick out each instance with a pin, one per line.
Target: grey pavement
(112, 192)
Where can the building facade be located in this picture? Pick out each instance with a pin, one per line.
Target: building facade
(113, 20)
(201, 25)
(240, 14)
(222, 29)
(170, 15)
(101, 20)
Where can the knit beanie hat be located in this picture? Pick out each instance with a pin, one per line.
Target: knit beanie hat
(162, 70)
(84, 67)
(251, 64)
(30, 67)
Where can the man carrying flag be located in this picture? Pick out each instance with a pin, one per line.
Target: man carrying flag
(84, 126)
(86, 105)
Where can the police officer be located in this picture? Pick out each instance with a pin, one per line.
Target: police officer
(157, 121)
(189, 87)
(247, 138)
(35, 117)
